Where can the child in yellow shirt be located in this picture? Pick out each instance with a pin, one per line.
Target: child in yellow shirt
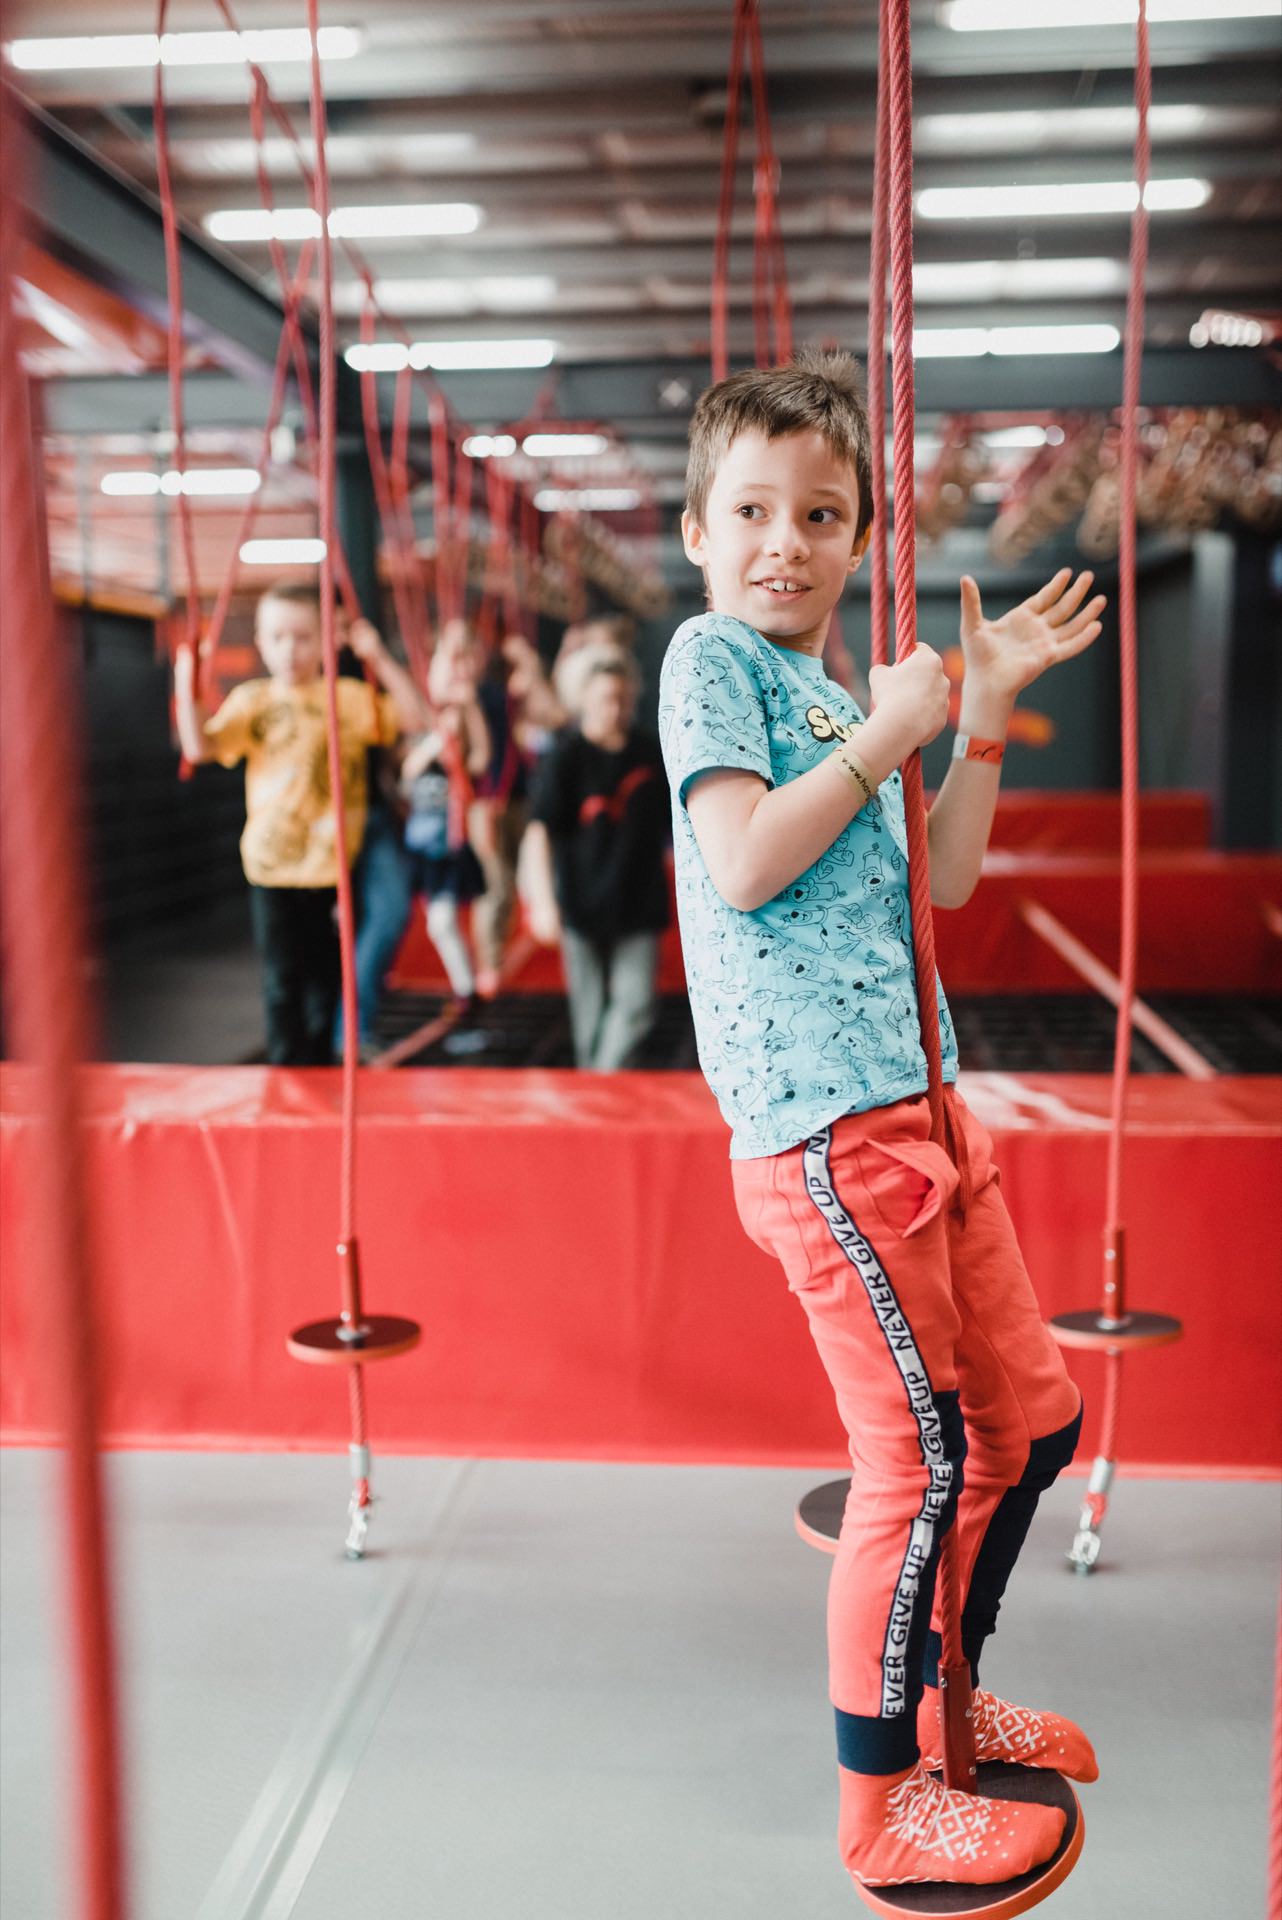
(289, 849)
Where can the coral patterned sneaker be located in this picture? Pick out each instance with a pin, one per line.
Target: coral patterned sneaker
(1014, 1735)
(902, 1827)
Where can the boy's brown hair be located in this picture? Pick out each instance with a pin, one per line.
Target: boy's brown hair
(816, 390)
(294, 593)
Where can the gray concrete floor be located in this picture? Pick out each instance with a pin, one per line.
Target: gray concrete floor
(589, 1692)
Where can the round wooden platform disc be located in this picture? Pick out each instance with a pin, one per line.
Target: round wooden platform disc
(1086, 1329)
(1006, 1897)
(819, 1514)
(319, 1342)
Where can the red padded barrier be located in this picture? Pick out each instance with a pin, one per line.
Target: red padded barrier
(570, 1246)
(1091, 822)
(1202, 927)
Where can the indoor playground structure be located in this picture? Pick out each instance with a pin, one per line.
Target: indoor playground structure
(551, 1646)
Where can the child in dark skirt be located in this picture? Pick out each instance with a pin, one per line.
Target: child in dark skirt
(436, 780)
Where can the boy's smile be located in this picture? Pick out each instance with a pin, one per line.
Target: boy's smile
(779, 541)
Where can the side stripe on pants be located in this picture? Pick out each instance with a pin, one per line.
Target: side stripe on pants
(942, 1472)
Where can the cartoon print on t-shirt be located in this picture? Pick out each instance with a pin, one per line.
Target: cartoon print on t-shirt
(804, 1008)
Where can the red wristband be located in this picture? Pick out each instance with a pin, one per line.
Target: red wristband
(968, 747)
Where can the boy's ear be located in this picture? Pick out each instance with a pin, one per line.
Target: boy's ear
(692, 538)
(860, 548)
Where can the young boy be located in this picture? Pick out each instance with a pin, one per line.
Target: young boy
(277, 727)
(792, 896)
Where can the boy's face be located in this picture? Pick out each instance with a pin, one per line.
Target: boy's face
(607, 705)
(778, 540)
(289, 640)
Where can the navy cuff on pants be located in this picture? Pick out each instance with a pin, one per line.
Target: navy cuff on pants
(868, 1744)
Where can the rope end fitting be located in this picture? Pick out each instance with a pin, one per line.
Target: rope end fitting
(957, 1726)
(351, 1327)
(1113, 1312)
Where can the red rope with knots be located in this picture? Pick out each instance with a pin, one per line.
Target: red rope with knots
(1114, 1291)
(954, 1672)
(42, 890)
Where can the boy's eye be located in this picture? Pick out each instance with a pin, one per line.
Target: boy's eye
(747, 510)
(825, 514)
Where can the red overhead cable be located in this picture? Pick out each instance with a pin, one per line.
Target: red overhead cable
(772, 311)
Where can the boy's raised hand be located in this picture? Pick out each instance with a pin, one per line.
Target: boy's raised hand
(1050, 626)
(365, 640)
(184, 671)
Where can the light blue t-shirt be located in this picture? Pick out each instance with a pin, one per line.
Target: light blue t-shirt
(806, 1008)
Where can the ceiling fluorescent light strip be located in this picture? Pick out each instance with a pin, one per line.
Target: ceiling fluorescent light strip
(416, 221)
(101, 50)
(586, 499)
(1002, 16)
(282, 553)
(196, 482)
(389, 356)
(1071, 197)
(552, 446)
(971, 343)
(468, 355)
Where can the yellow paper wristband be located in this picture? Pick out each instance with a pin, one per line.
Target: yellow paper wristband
(854, 771)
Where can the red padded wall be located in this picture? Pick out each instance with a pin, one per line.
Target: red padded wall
(570, 1246)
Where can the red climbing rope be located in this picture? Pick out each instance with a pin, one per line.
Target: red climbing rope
(176, 346)
(958, 1730)
(1113, 1305)
(1132, 361)
(325, 478)
(772, 310)
(880, 582)
(42, 891)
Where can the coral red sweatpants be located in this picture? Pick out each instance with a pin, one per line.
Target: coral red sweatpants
(957, 1404)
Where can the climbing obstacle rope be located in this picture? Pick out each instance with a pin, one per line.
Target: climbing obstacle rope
(1115, 1327)
(354, 1338)
(893, 186)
